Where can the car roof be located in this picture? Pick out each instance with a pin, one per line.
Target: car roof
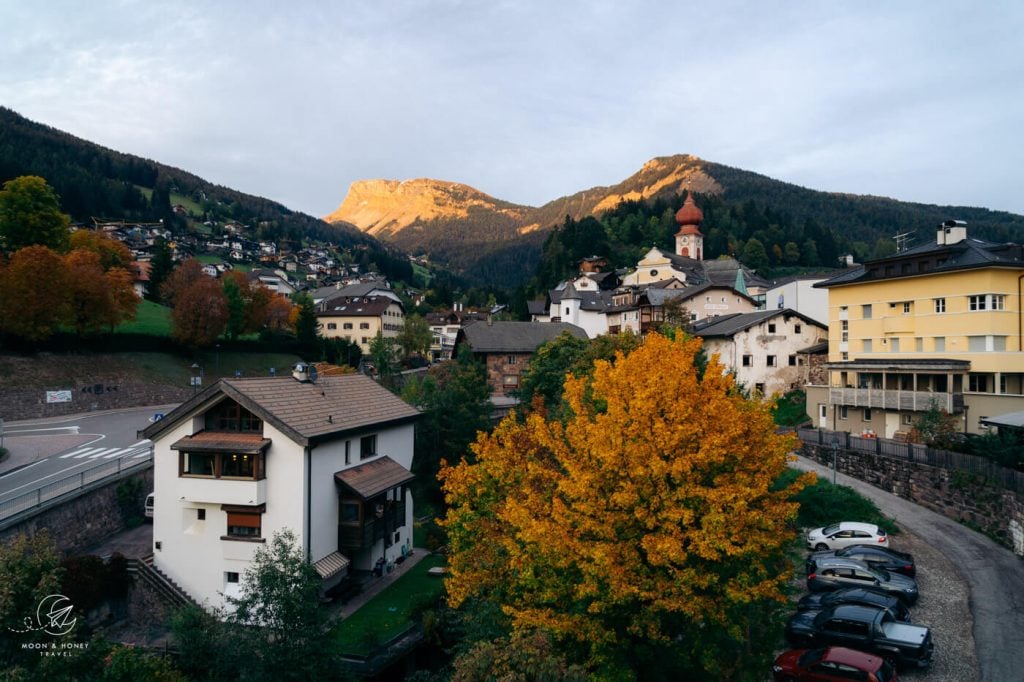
(834, 561)
(864, 594)
(857, 525)
(856, 611)
(852, 657)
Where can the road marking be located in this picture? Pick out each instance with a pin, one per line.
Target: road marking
(89, 452)
(79, 453)
(117, 452)
(70, 430)
(103, 452)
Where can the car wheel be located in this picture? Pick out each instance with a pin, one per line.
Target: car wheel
(821, 547)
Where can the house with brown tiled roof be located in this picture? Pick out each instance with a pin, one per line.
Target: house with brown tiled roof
(360, 318)
(328, 458)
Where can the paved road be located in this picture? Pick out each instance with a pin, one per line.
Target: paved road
(46, 450)
(994, 575)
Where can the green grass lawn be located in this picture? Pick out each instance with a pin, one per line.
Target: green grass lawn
(190, 206)
(390, 612)
(150, 318)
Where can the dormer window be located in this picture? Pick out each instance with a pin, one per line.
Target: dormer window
(230, 416)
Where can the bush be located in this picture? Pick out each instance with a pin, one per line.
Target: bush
(824, 503)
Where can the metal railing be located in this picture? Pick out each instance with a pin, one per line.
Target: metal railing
(73, 484)
(1008, 479)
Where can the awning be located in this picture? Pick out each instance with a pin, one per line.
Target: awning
(331, 565)
(214, 441)
(371, 479)
(1011, 420)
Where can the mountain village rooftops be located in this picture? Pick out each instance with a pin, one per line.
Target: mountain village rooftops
(499, 337)
(728, 325)
(359, 306)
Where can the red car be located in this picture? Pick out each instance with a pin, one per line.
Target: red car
(832, 663)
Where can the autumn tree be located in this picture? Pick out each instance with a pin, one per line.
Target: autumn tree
(644, 533)
(33, 294)
(180, 279)
(97, 299)
(248, 301)
(279, 310)
(200, 313)
(112, 253)
(30, 215)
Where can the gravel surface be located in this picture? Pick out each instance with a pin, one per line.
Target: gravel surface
(945, 607)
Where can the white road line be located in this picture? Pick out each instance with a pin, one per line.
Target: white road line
(88, 452)
(117, 452)
(71, 430)
(103, 452)
(78, 453)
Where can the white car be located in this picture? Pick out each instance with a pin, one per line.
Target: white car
(840, 535)
(148, 507)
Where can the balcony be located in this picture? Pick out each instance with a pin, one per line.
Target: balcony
(353, 537)
(222, 490)
(895, 399)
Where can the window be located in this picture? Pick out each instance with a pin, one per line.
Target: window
(510, 360)
(998, 301)
(230, 416)
(976, 302)
(866, 345)
(793, 362)
(347, 325)
(867, 414)
(865, 311)
(238, 466)
(771, 327)
(230, 577)
(844, 356)
(510, 381)
(200, 514)
(844, 325)
(244, 524)
(919, 344)
(975, 343)
(940, 304)
(366, 340)
(895, 345)
(977, 383)
(759, 388)
(332, 325)
(797, 329)
(654, 273)
(198, 463)
(566, 311)
(349, 514)
(940, 344)
(906, 307)
(773, 361)
(999, 343)
(348, 452)
(364, 325)
(748, 360)
(367, 446)
(844, 412)
(908, 419)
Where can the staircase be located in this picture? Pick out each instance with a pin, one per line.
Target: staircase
(166, 589)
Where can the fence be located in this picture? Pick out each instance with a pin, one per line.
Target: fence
(915, 452)
(28, 502)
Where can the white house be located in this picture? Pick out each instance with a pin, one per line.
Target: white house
(799, 293)
(327, 458)
(762, 348)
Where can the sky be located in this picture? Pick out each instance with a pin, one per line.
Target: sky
(530, 101)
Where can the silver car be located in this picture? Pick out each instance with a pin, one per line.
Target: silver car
(840, 535)
(832, 573)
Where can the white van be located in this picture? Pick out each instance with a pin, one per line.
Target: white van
(149, 506)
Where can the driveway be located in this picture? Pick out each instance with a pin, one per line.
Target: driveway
(993, 574)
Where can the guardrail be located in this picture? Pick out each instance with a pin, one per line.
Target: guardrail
(73, 484)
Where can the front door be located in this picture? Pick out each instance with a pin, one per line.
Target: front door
(822, 416)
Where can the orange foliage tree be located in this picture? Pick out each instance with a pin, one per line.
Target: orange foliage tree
(97, 299)
(33, 293)
(646, 522)
(113, 254)
(200, 313)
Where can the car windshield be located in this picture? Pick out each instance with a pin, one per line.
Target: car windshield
(829, 530)
(811, 656)
(881, 573)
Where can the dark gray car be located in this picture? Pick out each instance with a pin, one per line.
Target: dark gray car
(833, 573)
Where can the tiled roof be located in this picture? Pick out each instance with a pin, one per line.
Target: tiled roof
(217, 441)
(728, 325)
(520, 337)
(370, 306)
(374, 477)
(306, 411)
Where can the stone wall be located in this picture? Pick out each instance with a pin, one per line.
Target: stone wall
(959, 495)
(87, 519)
(30, 403)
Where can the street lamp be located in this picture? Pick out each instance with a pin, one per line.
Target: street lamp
(197, 377)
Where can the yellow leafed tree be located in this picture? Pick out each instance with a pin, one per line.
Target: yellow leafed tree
(647, 515)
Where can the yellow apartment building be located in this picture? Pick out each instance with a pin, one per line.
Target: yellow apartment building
(937, 324)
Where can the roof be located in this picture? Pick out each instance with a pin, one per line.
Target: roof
(537, 307)
(369, 306)
(815, 348)
(498, 337)
(1011, 420)
(305, 411)
(897, 364)
(966, 254)
(728, 325)
(374, 477)
(658, 296)
(217, 441)
(331, 565)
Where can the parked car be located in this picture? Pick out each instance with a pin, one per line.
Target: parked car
(847, 533)
(877, 557)
(864, 628)
(832, 663)
(148, 506)
(834, 573)
(862, 596)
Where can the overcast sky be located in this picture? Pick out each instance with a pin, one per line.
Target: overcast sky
(529, 101)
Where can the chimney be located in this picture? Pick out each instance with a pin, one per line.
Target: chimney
(304, 373)
(951, 232)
